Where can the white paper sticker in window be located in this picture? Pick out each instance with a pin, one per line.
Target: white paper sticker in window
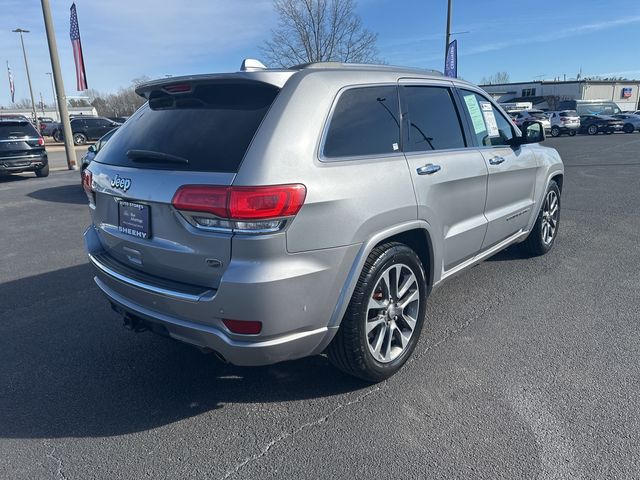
(490, 120)
(395, 147)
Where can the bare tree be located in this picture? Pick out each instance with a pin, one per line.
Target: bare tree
(319, 31)
(23, 103)
(120, 104)
(496, 78)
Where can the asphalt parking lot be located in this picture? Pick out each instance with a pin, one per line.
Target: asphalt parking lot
(527, 368)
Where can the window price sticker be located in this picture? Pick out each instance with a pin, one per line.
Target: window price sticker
(490, 119)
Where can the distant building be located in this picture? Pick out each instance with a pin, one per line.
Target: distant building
(48, 112)
(546, 95)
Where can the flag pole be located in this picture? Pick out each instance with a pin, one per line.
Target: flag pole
(72, 163)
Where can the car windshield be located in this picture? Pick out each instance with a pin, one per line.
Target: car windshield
(569, 113)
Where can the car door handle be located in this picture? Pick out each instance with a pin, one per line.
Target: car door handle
(428, 169)
(496, 160)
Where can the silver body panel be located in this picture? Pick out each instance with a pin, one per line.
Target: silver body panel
(298, 281)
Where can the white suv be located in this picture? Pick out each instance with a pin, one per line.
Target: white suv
(533, 116)
(564, 121)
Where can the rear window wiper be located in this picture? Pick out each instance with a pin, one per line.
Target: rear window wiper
(151, 156)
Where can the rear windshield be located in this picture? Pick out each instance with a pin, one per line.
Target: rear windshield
(569, 113)
(207, 130)
(16, 128)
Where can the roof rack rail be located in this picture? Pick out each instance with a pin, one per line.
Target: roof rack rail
(372, 66)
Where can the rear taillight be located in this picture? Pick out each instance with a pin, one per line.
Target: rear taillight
(41, 141)
(564, 119)
(244, 327)
(244, 209)
(87, 184)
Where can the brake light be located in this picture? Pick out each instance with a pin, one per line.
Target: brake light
(179, 88)
(260, 208)
(87, 181)
(245, 327)
(40, 141)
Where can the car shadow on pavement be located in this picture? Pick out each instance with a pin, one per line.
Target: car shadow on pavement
(69, 369)
(5, 178)
(72, 194)
(514, 252)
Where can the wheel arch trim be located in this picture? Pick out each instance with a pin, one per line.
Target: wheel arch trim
(366, 248)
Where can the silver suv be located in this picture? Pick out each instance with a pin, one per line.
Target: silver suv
(267, 215)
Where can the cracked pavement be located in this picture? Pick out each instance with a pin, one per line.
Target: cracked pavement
(527, 368)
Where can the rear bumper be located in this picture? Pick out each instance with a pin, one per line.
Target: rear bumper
(293, 296)
(23, 163)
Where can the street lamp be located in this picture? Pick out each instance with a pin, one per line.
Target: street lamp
(53, 92)
(26, 66)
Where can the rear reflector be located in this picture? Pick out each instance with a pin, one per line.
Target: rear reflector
(242, 203)
(243, 327)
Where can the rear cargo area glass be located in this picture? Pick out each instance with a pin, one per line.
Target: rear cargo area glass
(16, 128)
(211, 127)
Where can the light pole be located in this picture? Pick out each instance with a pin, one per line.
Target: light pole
(26, 66)
(448, 34)
(72, 163)
(53, 92)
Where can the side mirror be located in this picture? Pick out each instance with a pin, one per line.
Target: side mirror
(92, 149)
(532, 132)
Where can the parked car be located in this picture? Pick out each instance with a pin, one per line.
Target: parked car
(565, 121)
(119, 120)
(631, 123)
(227, 214)
(21, 147)
(86, 128)
(93, 150)
(533, 116)
(590, 107)
(594, 124)
(43, 122)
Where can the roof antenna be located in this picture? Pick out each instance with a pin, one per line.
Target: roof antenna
(251, 65)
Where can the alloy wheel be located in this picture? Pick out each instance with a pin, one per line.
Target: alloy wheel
(550, 217)
(392, 312)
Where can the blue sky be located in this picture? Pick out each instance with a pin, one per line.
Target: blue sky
(125, 39)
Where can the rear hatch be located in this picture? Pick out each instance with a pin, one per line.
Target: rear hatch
(189, 133)
(18, 142)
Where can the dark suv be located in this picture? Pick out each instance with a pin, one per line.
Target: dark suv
(86, 128)
(21, 147)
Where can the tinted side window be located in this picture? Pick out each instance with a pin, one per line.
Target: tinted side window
(433, 119)
(487, 123)
(364, 122)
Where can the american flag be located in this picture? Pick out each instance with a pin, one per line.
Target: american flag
(12, 87)
(81, 76)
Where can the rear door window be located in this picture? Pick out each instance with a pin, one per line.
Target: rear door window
(366, 121)
(433, 119)
(208, 130)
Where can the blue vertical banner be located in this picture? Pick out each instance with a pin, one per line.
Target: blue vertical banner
(451, 62)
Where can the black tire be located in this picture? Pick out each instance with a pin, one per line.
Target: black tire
(592, 130)
(535, 244)
(57, 136)
(628, 128)
(555, 131)
(79, 139)
(572, 133)
(349, 350)
(43, 172)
